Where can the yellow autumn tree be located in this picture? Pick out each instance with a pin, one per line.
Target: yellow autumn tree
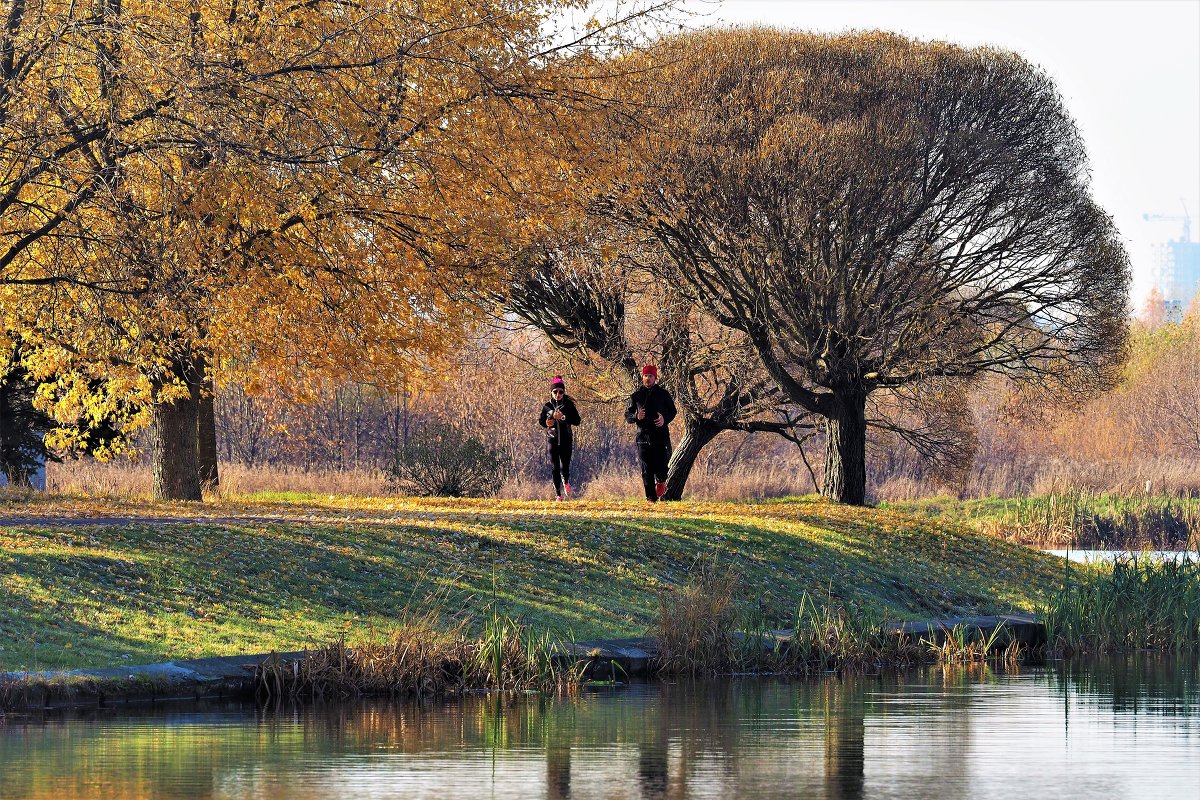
(301, 189)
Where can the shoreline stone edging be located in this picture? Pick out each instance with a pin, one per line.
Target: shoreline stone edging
(191, 679)
(234, 676)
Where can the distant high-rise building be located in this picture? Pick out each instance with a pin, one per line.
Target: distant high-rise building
(1177, 274)
(1176, 266)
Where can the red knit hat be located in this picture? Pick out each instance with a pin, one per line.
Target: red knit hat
(650, 369)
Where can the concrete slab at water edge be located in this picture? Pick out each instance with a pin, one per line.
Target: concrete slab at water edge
(198, 669)
(1023, 628)
(234, 676)
(191, 679)
(611, 659)
(637, 656)
(1026, 629)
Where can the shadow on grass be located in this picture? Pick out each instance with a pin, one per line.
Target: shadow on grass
(590, 573)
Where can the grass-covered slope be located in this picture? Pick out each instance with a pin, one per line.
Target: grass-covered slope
(148, 590)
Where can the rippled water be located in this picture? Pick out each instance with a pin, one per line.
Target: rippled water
(1125, 729)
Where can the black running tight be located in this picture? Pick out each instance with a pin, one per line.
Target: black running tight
(560, 465)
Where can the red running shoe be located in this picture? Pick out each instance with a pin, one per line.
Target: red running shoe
(660, 488)
(566, 490)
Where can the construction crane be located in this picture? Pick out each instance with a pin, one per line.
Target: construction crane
(1185, 219)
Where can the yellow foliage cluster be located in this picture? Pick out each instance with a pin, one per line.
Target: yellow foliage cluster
(295, 188)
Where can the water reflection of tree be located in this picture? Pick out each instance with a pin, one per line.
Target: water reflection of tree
(686, 725)
(558, 735)
(654, 770)
(675, 728)
(941, 737)
(1137, 683)
(845, 738)
(558, 770)
(682, 734)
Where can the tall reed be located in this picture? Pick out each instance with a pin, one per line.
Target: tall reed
(970, 644)
(829, 637)
(510, 655)
(1136, 603)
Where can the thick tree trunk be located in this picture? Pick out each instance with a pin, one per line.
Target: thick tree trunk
(174, 450)
(684, 456)
(846, 449)
(206, 422)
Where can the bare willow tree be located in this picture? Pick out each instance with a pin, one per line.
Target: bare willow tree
(877, 213)
(594, 298)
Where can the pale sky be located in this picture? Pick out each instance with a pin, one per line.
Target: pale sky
(1128, 71)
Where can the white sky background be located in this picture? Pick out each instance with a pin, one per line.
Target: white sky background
(1129, 73)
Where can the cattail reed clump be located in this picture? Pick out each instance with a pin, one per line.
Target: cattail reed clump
(831, 637)
(1136, 603)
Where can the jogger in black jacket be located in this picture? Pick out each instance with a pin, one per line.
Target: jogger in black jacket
(558, 416)
(652, 408)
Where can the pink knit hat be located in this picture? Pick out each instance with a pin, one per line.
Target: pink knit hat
(557, 383)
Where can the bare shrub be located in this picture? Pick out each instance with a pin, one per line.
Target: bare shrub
(444, 460)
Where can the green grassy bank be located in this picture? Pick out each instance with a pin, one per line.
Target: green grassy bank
(148, 590)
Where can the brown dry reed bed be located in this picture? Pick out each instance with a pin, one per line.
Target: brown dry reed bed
(1086, 519)
(703, 630)
(421, 657)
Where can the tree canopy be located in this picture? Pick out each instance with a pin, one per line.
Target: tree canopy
(877, 214)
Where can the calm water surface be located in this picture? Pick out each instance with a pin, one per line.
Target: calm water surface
(1088, 556)
(1126, 729)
